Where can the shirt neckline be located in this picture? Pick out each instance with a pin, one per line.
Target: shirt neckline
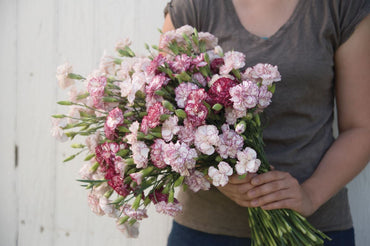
(278, 33)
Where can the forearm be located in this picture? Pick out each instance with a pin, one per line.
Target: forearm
(348, 155)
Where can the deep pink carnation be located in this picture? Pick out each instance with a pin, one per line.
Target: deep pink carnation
(116, 182)
(154, 114)
(197, 113)
(219, 91)
(137, 214)
(216, 64)
(158, 61)
(196, 96)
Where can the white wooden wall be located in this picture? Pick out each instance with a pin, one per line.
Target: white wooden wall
(41, 203)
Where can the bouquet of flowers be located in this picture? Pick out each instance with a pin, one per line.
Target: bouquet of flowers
(185, 116)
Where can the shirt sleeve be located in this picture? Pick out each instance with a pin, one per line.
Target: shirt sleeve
(350, 14)
(184, 12)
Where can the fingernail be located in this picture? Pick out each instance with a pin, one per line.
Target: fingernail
(255, 181)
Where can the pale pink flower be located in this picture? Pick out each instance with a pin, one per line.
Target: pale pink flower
(209, 39)
(156, 153)
(180, 157)
(198, 77)
(57, 129)
(108, 208)
(197, 181)
(121, 44)
(132, 137)
(186, 29)
(182, 92)
(170, 128)
(62, 75)
(73, 94)
(85, 172)
(92, 141)
(187, 133)
(233, 60)
(120, 165)
(232, 115)
(130, 231)
(230, 143)
(198, 61)
(264, 97)
(247, 161)
(137, 177)
(107, 65)
(244, 96)
(206, 137)
(140, 154)
(171, 209)
(137, 214)
(218, 51)
(220, 176)
(93, 201)
(267, 73)
(126, 67)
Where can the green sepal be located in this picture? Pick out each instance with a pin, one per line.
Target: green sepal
(180, 113)
(179, 181)
(271, 88)
(164, 117)
(89, 157)
(69, 158)
(75, 76)
(217, 107)
(110, 99)
(123, 152)
(59, 116)
(65, 103)
(123, 129)
(77, 146)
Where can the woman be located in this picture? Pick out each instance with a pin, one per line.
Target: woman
(322, 51)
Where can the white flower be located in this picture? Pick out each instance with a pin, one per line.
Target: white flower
(220, 176)
(108, 208)
(247, 161)
(140, 154)
(170, 128)
(206, 137)
(232, 60)
(130, 231)
(57, 131)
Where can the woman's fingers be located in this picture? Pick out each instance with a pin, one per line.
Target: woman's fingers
(268, 188)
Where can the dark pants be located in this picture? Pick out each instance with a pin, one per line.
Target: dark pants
(184, 236)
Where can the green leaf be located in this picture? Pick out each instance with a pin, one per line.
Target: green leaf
(59, 116)
(164, 117)
(123, 129)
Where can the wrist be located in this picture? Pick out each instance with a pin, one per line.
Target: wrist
(312, 194)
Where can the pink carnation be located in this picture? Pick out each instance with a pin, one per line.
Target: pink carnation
(108, 208)
(62, 75)
(232, 115)
(230, 143)
(128, 229)
(264, 97)
(107, 65)
(154, 114)
(156, 83)
(187, 133)
(140, 154)
(137, 214)
(247, 161)
(57, 129)
(196, 96)
(197, 181)
(121, 44)
(182, 92)
(95, 86)
(206, 137)
(156, 153)
(171, 209)
(114, 119)
(93, 201)
(220, 176)
(216, 64)
(233, 60)
(158, 61)
(267, 73)
(196, 113)
(244, 96)
(199, 61)
(137, 177)
(170, 128)
(209, 39)
(132, 137)
(92, 141)
(198, 77)
(180, 157)
(181, 63)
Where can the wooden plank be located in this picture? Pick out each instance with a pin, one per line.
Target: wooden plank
(35, 101)
(8, 71)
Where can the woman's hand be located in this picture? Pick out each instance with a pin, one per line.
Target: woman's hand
(271, 190)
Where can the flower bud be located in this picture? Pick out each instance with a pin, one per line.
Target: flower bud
(168, 105)
(217, 107)
(240, 127)
(180, 113)
(136, 203)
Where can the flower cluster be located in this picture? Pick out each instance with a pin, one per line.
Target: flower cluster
(186, 117)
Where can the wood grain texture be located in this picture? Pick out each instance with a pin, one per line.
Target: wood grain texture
(42, 204)
(8, 71)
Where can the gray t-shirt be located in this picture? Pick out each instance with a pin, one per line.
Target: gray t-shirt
(299, 121)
